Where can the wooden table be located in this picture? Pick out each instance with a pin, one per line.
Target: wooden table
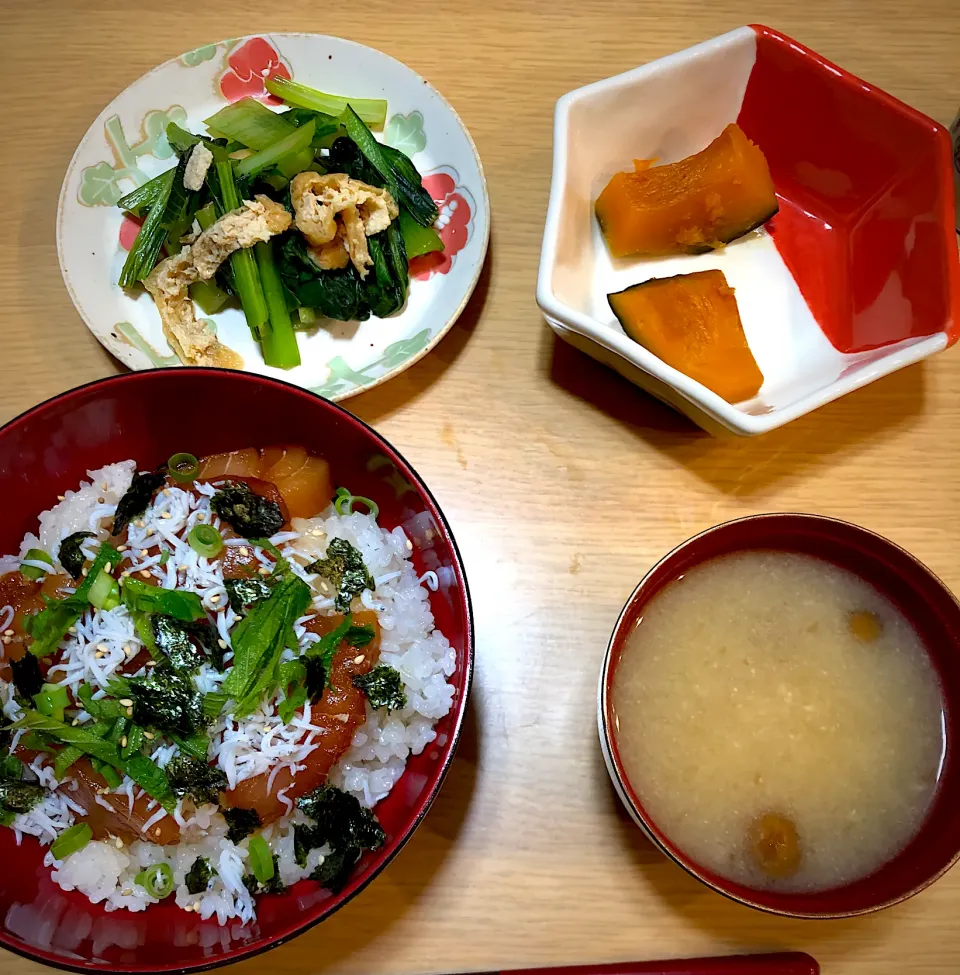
(563, 482)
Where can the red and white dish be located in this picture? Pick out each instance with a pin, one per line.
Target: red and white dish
(856, 276)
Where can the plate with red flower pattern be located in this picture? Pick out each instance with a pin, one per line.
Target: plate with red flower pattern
(127, 145)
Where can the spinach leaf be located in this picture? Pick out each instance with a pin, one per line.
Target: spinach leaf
(383, 687)
(410, 192)
(140, 493)
(240, 822)
(344, 570)
(70, 556)
(335, 294)
(27, 677)
(243, 593)
(140, 597)
(203, 783)
(247, 513)
(198, 876)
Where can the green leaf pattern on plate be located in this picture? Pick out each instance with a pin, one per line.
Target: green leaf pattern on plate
(198, 55)
(342, 376)
(405, 132)
(129, 334)
(100, 184)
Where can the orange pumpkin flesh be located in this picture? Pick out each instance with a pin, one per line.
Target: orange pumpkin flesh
(690, 206)
(692, 323)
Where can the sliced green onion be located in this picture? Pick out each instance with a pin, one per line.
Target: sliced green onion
(205, 540)
(71, 840)
(52, 700)
(344, 501)
(165, 556)
(105, 592)
(261, 859)
(34, 572)
(157, 880)
(183, 467)
(372, 110)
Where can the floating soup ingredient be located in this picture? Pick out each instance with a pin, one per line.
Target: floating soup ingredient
(193, 711)
(770, 742)
(692, 323)
(690, 206)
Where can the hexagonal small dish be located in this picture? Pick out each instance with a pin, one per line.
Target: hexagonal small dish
(855, 277)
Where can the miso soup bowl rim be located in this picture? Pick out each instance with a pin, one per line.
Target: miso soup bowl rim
(611, 755)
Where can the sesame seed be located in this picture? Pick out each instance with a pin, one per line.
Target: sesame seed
(264, 571)
(123, 741)
(125, 702)
(102, 647)
(409, 545)
(156, 831)
(101, 791)
(104, 486)
(143, 552)
(151, 663)
(150, 531)
(166, 492)
(125, 574)
(244, 551)
(8, 633)
(165, 514)
(145, 573)
(358, 659)
(129, 712)
(86, 571)
(72, 629)
(342, 718)
(126, 892)
(75, 722)
(7, 639)
(128, 650)
(61, 497)
(98, 654)
(108, 568)
(215, 598)
(122, 548)
(118, 843)
(222, 644)
(141, 524)
(99, 500)
(148, 735)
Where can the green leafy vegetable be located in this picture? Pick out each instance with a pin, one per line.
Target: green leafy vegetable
(142, 257)
(411, 196)
(198, 780)
(343, 568)
(295, 141)
(66, 757)
(48, 627)
(246, 278)
(199, 875)
(247, 513)
(142, 488)
(280, 347)
(258, 641)
(418, 240)
(70, 555)
(143, 198)
(261, 859)
(139, 597)
(250, 123)
(240, 822)
(372, 110)
(105, 592)
(383, 687)
(27, 677)
(243, 593)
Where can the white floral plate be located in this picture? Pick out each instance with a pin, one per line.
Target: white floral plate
(126, 146)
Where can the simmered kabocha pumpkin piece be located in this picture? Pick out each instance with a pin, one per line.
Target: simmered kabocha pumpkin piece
(690, 206)
(692, 323)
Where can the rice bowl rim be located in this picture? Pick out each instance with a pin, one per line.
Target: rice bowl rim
(337, 901)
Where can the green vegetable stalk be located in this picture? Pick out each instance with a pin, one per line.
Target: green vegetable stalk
(280, 347)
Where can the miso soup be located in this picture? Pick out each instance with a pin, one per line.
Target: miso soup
(780, 721)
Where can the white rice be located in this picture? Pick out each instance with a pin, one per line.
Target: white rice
(251, 746)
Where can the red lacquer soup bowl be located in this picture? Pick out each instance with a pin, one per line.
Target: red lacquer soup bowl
(931, 609)
(148, 416)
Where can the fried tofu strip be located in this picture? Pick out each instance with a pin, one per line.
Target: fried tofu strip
(193, 342)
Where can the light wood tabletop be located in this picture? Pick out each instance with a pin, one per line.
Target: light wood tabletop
(563, 482)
